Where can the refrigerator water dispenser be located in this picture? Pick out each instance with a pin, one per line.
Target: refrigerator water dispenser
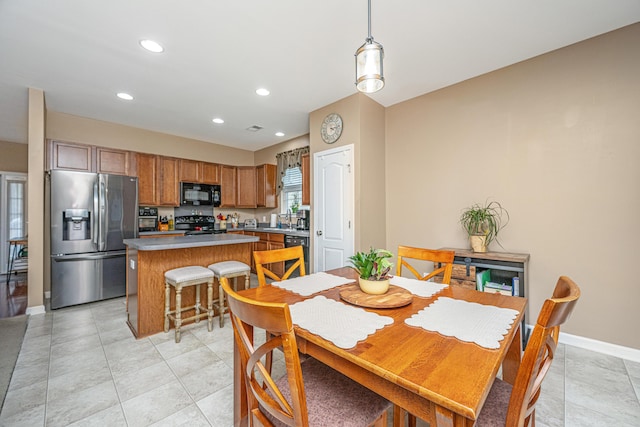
(76, 224)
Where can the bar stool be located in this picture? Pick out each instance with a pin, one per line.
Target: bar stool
(229, 269)
(180, 278)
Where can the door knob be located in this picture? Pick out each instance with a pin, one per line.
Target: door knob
(319, 232)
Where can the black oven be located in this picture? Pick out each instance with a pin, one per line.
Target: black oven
(193, 194)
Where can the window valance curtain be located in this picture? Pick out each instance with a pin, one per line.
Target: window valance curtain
(286, 160)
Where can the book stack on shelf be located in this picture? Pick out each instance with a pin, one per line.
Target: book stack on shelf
(484, 284)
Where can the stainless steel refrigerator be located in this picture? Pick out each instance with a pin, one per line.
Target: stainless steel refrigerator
(90, 216)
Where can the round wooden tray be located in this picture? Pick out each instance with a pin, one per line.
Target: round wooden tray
(395, 297)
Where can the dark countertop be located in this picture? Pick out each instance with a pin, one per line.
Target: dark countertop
(286, 231)
(182, 242)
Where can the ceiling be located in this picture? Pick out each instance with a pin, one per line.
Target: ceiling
(217, 53)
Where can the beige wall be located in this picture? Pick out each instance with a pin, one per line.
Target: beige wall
(556, 140)
(14, 157)
(363, 126)
(71, 128)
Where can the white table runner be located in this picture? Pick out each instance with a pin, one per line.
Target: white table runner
(417, 287)
(485, 325)
(344, 325)
(312, 283)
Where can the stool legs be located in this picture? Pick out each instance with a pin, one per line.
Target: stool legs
(198, 303)
(167, 300)
(221, 302)
(210, 305)
(178, 321)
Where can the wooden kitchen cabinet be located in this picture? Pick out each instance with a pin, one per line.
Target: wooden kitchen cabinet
(69, 156)
(87, 158)
(190, 171)
(276, 241)
(117, 162)
(148, 194)
(228, 186)
(267, 242)
(246, 187)
(169, 187)
(210, 173)
(306, 179)
(266, 186)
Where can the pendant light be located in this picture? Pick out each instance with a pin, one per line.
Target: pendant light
(369, 76)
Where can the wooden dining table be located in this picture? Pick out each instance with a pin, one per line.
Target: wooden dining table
(438, 378)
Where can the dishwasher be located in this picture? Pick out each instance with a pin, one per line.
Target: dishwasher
(290, 241)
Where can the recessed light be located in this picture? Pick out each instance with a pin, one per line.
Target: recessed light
(218, 121)
(262, 92)
(151, 46)
(125, 96)
(279, 133)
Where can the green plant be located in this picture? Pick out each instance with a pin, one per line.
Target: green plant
(372, 265)
(484, 220)
(294, 203)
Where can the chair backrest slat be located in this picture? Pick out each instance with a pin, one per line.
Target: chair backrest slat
(264, 261)
(442, 260)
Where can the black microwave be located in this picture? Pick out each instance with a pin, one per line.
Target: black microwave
(192, 194)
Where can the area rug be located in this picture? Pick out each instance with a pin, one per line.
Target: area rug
(12, 330)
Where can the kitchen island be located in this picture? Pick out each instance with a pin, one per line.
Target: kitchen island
(149, 259)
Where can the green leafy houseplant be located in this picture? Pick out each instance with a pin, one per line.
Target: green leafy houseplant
(484, 221)
(372, 265)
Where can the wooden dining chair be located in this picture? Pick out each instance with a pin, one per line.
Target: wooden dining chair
(264, 260)
(442, 260)
(310, 393)
(514, 405)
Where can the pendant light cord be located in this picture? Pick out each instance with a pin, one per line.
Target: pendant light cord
(369, 39)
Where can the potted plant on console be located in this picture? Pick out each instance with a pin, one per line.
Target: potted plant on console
(483, 223)
(373, 269)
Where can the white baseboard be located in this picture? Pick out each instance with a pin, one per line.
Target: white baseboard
(615, 350)
(38, 309)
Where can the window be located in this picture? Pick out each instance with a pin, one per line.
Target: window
(291, 195)
(16, 208)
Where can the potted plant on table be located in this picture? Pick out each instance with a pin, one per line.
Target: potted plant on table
(483, 223)
(373, 269)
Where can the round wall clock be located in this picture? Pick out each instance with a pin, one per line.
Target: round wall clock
(331, 128)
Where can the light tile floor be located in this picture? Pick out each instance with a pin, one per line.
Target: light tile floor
(81, 366)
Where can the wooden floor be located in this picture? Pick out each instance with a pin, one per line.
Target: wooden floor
(13, 298)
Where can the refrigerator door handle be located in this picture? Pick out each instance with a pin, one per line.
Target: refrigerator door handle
(102, 213)
(88, 257)
(94, 221)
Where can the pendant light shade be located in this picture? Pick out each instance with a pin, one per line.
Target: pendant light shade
(369, 71)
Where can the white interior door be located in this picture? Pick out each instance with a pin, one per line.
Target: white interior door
(333, 207)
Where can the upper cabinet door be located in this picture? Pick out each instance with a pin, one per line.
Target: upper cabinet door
(246, 187)
(112, 161)
(306, 180)
(266, 186)
(190, 171)
(210, 173)
(169, 183)
(76, 157)
(228, 186)
(147, 179)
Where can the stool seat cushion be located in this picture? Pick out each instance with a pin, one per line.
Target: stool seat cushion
(225, 268)
(184, 274)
